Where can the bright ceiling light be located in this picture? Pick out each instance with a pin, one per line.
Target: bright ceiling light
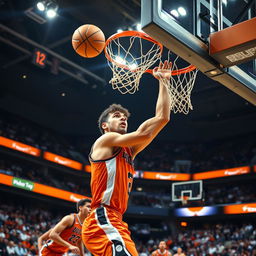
(40, 6)
(138, 27)
(174, 13)
(51, 9)
(182, 11)
(225, 2)
(119, 30)
(120, 60)
(51, 13)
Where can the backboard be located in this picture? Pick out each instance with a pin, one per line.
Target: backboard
(190, 189)
(185, 26)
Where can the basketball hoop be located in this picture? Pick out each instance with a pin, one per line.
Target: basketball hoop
(130, 54)
(184, 200)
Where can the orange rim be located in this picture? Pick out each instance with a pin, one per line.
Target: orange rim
(148, 38)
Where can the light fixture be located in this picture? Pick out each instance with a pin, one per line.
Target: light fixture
(225, 2)
(174, 13)
(120, 60)
(138, 27)
(51, 9)
(41, 6)
(213, 72)
(182, 11)
(119, 30)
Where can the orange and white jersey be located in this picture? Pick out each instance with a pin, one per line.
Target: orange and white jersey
(72, 235)
(159, 253)
(111, 180)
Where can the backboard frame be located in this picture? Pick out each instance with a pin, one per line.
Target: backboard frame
(191, 198)
(159, 25)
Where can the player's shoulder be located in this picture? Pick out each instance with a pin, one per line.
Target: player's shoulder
(68, 219)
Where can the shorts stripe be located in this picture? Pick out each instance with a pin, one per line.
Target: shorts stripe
(112, 233)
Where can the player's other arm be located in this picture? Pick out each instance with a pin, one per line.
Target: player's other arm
(66, 222)
(44, 237)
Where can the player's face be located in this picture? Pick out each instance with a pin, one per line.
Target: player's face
(86, 208)
(117, 122)
(162, 245)
(179, 250)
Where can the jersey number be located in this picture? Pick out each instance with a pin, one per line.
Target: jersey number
(130, 176)
(73, 239)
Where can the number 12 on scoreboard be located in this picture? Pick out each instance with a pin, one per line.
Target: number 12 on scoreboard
(39, 58)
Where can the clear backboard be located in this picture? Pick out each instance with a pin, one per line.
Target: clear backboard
(186, 26)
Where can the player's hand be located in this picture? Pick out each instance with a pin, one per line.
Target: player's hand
(74, 249)
(163, 71)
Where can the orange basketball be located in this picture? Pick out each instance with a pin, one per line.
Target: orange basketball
(88, 41)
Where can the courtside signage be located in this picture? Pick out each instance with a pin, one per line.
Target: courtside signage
(221, 173)
(165, 176)
(196, 211)
(62, 161)
(19, 146)
(40, 188)
(240, 208)
(23, 184)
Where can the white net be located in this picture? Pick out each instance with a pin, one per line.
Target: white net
(131, 58)
(180, 87)
(130, 61)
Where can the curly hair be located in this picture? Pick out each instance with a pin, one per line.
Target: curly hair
(111, 109)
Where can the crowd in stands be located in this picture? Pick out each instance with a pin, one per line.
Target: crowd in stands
(20, 227)
(159, 156)
(213, 240)
(43, 175)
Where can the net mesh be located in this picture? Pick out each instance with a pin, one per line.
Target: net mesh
(131, 58)
(130, 61)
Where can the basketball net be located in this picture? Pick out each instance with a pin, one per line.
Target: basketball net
(137, 58)
(184, 200)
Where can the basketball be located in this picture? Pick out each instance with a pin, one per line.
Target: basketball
(88, 41)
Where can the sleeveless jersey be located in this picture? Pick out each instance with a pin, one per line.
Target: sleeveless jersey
(158, 253)
(72, 235)
(111, 180)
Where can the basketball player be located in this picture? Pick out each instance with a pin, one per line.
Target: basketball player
(111, 157)
(66, 235)
(162, 250)
(179, 252)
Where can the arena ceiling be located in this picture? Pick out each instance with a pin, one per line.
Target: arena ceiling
(37, 94)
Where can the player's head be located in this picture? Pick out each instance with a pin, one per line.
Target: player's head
(179, 250)
(114, 119)
(84, 206)
(162, 245)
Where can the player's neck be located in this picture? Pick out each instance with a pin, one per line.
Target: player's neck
(81, 217)
(162, 251)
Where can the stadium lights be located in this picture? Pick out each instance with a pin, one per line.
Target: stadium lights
(41, 6)
(182, 11)
(51, 9)
(174, 13)
(120, 60)
(119, 30)
(138, 27)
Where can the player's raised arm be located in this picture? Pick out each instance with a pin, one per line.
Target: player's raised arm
(163, 108)
(66, 222)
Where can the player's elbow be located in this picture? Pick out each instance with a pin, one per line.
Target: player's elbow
(163, 120)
